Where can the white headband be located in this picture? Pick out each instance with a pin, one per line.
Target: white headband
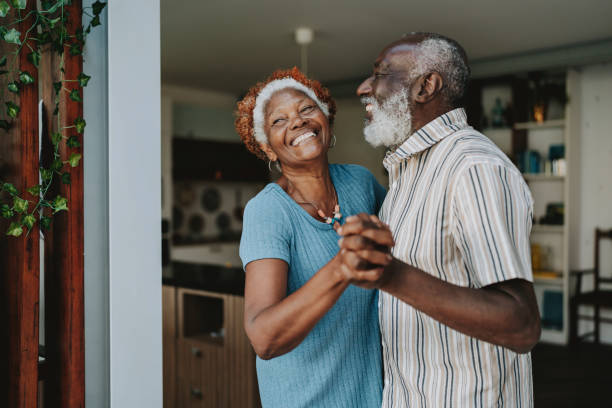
(265, 95)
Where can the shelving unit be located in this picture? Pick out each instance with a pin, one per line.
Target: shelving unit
(513, 91)
(547, 188)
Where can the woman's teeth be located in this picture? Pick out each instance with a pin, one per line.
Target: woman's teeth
(301, 138)
(369, 107)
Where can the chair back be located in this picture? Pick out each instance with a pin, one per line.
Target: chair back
(599, 235)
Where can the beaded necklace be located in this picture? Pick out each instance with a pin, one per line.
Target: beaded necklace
(337, 215)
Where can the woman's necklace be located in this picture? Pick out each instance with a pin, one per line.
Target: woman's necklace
(337, 215)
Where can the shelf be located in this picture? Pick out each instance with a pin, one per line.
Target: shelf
(548, 124)
(542, 177)
(549, 281)
(552, 336)
(548, 229)
(496, 129)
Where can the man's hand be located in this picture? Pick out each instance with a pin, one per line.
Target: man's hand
(365, 250)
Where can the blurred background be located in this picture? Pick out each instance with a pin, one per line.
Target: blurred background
(541, 89)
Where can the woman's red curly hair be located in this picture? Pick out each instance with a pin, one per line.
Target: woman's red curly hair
(244, 112)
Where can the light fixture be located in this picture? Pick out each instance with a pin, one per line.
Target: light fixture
(303, 37)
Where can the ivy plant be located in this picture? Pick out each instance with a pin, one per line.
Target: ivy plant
(47, 27)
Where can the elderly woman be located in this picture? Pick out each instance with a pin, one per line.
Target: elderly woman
(316, 336)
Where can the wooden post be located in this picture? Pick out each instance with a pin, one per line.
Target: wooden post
(19, 257)
(65, 384)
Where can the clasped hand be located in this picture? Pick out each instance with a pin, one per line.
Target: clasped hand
(365, 250)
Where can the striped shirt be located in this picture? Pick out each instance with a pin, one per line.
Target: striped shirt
(460, 211)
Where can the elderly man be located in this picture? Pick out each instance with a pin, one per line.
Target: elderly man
(457, 310)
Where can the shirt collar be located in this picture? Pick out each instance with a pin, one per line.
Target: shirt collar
(427, 136)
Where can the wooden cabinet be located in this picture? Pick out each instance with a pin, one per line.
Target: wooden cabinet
(214, 363)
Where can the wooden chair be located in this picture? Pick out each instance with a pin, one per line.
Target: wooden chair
(599, 297)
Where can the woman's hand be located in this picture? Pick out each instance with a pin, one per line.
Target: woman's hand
(365, 250)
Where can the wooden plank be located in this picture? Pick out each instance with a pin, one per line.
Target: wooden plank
(19, 257)
(169, 344)
(64, 279)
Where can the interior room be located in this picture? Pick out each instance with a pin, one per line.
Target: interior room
(120, 117)
(541, 90)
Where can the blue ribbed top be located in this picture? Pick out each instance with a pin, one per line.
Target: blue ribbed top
(339, 363)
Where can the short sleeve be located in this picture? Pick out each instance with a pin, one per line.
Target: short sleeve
(265, 231)
(492, 216)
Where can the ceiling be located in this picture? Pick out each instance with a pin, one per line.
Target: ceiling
(228, 45)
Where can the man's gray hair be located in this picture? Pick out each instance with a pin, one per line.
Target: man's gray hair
(437, 53)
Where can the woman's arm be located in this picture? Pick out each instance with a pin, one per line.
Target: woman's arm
(276, 323)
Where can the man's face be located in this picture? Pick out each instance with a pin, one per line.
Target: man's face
(386, 96)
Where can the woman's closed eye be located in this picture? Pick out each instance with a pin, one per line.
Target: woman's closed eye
(277, 121)
(307, 109)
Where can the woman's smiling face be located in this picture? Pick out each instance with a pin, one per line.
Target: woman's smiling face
(297, 130)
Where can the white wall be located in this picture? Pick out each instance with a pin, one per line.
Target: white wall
(592, 163)
(95, 167)
(351, 146)
(134, 204)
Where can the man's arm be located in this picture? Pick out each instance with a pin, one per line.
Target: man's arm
(504, 313)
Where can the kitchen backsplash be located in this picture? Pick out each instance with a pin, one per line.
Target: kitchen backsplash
(207, 211)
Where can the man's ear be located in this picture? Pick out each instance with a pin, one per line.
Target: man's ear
(268, 151)
(427, 87)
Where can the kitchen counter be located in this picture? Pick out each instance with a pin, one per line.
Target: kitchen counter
(213, 278)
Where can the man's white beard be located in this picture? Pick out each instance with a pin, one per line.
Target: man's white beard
(391, 122)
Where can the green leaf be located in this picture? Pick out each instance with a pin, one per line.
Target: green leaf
(97, 7)
(52, 22)
(79, 123)
(75, 49)
(3, 71)
(28, 221)
(20, 205)
(74, 95)
(4, 8)
(26, 78)
(45, 222)
(56, 165)
(66, 179)
(3, 61)
(34, 190)
(12, 110)
(9, 188)
(83, 79)
(58, 87)
(4, 125)
(56, 138)
(13, 87)
(73, 141)
(34, 58)
(12, 36)
(46, 174)
(95, 21)
(6, 211)
(74, 159)
(19, 4)
(14, 230)
(59, 204)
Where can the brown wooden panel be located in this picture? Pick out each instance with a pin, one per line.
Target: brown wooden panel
(64, 279)
(169, 344)
(19, 257)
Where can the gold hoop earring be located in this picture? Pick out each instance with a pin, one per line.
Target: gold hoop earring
(333, 141)
(276, 165)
